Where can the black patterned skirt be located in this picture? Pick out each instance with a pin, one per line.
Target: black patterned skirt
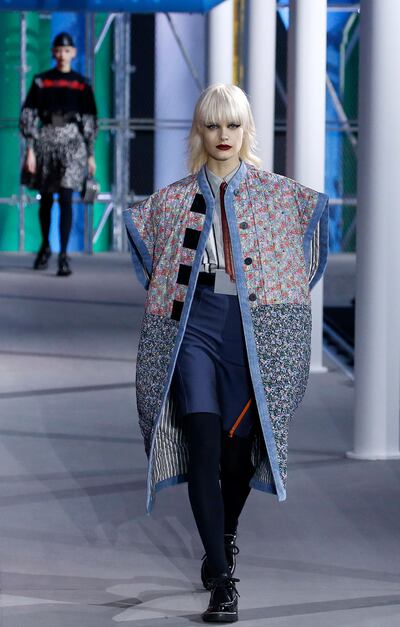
(61, 158)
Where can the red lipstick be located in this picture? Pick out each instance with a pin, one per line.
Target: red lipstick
(224, 147)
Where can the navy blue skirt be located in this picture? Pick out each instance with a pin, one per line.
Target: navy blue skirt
(212, 372)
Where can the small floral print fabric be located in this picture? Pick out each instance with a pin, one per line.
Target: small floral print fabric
(274, 221)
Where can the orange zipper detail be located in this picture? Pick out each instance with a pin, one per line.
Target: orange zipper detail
(240, 418)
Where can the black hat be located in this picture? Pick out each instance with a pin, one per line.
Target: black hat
(63, 39)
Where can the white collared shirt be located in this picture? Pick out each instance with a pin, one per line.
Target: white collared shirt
(214, 258)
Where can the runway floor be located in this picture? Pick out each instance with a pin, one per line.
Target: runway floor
(76, 547)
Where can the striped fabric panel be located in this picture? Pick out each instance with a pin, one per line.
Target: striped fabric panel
(263, 472)
(171, 454)
(170, 451)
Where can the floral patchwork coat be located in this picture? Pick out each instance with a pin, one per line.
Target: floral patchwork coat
(279, 232)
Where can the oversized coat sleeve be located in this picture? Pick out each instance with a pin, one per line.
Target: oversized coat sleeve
(140, 221)
(89, 118)
(313, 210)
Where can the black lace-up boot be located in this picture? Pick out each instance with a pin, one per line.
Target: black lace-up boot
(223, 606)
(231, 551)
(63, 265)
(42, 258)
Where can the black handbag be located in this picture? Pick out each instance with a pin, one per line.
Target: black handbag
(90, 189)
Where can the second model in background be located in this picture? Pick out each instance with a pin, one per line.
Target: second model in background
(59, 122)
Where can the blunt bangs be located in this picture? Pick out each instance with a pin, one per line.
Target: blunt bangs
(219, 107)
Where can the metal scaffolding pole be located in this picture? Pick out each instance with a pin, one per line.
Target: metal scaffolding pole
(104, 31)
(22, 92)
(185, 54)
(89, 71)
(122, 70)
(89, 46)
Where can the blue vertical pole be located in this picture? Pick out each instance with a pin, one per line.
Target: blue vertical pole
(334, 139)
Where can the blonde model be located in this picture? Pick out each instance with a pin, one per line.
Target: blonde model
(228, 256)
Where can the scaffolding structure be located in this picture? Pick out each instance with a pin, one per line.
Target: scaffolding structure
(123, 127)
(123, 69)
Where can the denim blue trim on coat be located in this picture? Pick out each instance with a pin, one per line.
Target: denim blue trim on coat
(321, 215)
(141, 259)
(263, 487)
(168, 482)
(181, 331)
(248, 329)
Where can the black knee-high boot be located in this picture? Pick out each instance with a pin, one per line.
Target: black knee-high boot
(44, 254)
(65, 201)
(46, 202)
(236, 471)
(204, 438)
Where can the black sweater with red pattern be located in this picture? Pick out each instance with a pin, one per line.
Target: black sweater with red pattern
(59, 92)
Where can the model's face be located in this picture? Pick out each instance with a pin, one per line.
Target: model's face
(223, 142)
(64, 55)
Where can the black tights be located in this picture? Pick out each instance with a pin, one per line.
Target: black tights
(46, 202)
(216, 507)
(236, 471)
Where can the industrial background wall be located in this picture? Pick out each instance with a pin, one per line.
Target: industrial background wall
(40, 28)
(142, 103)
(150, 122)
(37, 58)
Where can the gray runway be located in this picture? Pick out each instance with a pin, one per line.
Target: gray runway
(76, 547)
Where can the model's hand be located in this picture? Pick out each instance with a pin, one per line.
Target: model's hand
(91, 166)
(30, 161)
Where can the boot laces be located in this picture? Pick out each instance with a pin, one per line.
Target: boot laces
(230, 544)
(224, 581)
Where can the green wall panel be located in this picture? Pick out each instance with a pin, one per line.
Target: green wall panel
(9, 140)
(38, 60)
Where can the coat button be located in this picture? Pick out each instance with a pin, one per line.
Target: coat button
(248, 261)
(237, 192)
(244, 225)
(252, 297)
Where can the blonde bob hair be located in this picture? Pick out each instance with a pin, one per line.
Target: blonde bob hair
(219, 104)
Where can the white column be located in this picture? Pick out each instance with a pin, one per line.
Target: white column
(377, 373)
(220, 43)
(306, 119)
(260, 73)
(176, 91)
